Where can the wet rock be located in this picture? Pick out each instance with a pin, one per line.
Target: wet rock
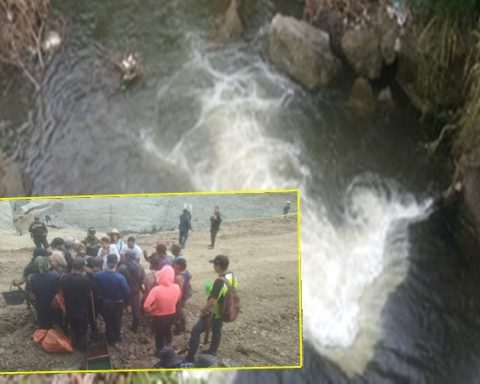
(408, 54)
(362, 99)
(466, 181)
(362, 50)
(232, 25)
(11, 181)
(302, 51)
(51, 41)
(385, 99)
(389, 33)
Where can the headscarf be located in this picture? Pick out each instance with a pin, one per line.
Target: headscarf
(42, 264)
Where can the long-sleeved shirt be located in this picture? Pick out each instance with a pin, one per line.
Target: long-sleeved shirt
(134, 273)
(162, 299)
(185, 222)
(76, 291)
(215, 221)
(44, 286)
(113, 286)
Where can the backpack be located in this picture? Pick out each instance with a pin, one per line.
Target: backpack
(231, 304)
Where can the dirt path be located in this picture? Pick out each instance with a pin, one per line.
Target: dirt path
(263, 255)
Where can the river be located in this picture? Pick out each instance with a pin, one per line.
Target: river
(389, 291)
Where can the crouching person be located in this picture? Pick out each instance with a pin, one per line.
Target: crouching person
(161, 303)
(76, 289)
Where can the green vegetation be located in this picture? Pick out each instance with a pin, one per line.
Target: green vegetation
(446, 7)
(103, 378)
(448, 77)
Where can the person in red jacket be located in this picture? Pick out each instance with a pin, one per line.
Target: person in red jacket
(161, 305)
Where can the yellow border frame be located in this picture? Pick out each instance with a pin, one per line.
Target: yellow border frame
(226, 192)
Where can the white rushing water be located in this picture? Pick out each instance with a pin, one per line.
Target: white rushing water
(348, 269)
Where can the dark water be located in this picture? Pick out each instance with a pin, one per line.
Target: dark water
(206, 116)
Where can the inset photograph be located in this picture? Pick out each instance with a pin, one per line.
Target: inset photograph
(150, 282)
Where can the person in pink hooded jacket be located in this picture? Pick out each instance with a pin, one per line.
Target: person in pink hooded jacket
(161, 305)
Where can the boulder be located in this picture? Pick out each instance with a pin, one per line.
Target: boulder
(11, 181)
(389, 34)
(362, 99)
(302, 51)
(362, 50)
(232, 26)
(385, 99)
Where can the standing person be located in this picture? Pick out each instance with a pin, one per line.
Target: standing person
(68, 247)
(161, 303)
(184, 226)
(131, 246)
(92, 243)
(116, 239)
(38, 232)
(160, 253)
(151, 276)
(211, 312)
(215, 221)
(286, 208)
(44, 285)
(176, 250)
(115, 291)
(77, 294)
(182, 278)
(106, 249)
(95, 307)
(57, 258)
(135, 274)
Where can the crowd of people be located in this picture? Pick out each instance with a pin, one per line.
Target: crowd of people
(71, 283)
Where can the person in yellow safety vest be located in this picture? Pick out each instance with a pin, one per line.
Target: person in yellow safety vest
(210, 314)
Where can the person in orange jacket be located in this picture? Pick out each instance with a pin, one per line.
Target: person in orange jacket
(161, 305)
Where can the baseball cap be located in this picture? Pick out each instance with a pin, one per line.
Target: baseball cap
(221, 260)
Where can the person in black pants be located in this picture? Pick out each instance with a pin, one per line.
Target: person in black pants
(38, 232)
(95, 265)
(135, 274)
(215, 221)
(44, 285)
(184, 226)
(211, 313)
(76, 289)
(115, 292)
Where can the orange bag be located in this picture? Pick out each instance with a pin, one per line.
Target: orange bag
(39, 334)
(53, 340)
